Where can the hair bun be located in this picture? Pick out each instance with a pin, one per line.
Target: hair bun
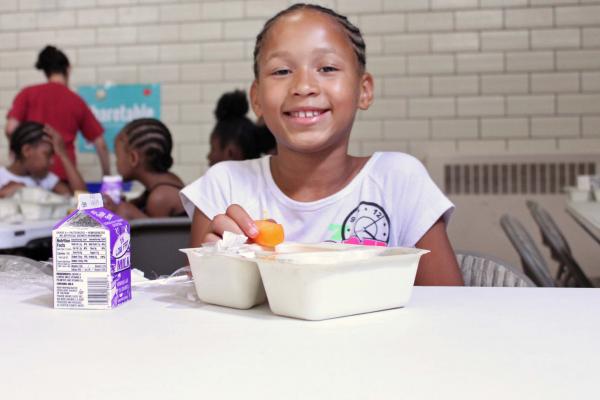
(46, 56)
(232, 105)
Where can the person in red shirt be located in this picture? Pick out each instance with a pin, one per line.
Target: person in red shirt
(53, 103)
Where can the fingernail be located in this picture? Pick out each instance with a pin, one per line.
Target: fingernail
(252, 230)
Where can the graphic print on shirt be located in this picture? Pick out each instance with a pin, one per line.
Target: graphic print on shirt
(367, 224)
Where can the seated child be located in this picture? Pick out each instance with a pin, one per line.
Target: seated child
(33, 146)
(143, 151)
(310, 80)
(235, 137)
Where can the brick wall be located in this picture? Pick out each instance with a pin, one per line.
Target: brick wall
(466, 76)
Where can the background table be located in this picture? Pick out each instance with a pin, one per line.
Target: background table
(449, 343)
(587, 214)
(18, 235)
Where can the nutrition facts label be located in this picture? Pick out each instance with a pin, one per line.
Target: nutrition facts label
(81, 260)
(81, 251)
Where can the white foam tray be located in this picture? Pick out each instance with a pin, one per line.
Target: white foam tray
(233, 281)
(316, 287)
(226, 280)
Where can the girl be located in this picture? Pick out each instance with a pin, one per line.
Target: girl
(33, 146)
(53, 103)
(310, 80)
(143, 152)
(235, 137)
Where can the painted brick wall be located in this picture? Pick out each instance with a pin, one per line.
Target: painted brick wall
(451, 75)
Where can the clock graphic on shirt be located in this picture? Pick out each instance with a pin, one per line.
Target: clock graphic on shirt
(368, 223)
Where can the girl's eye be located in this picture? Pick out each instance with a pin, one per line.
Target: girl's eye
(282, 72)
(328, 68)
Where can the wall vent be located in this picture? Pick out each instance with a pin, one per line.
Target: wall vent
(504, 175)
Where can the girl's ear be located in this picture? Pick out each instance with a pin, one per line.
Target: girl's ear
(254, 99)
(26, 150)
(366, 91)
(134, 158)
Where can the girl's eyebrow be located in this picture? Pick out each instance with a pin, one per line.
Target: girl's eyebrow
(285, 53)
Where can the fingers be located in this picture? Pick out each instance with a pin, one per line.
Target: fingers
(243, 220)
(50, 131)
(222, 223)
(235, 220)
(211, 238)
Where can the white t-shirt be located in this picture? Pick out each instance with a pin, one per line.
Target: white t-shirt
(392, 201)
(48, 182)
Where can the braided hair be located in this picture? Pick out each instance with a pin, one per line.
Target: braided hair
(352, 32)
(51, 60)
(27, 133)
(153, 140)
(234, 127)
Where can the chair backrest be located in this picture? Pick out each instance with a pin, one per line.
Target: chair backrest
(482, 270)
(548, 226)
(534, 264)
(569, 273)
(155, 244)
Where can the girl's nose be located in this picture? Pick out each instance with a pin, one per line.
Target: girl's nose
(305, 84)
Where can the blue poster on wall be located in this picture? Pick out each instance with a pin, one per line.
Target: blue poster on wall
(116, 105)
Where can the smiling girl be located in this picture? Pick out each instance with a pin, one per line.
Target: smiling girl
(310, 80)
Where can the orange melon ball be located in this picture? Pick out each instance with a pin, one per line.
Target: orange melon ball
(269, 233)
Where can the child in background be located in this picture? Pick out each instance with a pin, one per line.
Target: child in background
(143, 151)
(235, 137)
(33, 146)
(310, 80)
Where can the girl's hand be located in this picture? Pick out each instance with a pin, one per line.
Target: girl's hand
(109, 204)
(10, 188)
(58, 143)
(235, 220)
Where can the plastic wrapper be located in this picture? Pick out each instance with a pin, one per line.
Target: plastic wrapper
(24, 274)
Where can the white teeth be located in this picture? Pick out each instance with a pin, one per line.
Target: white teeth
(305, 114)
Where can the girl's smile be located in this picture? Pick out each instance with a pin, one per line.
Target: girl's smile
(307, 116)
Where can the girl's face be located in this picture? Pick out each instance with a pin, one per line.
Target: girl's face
(37, 158)
(310, 85)
(219, 153)
(123, 157)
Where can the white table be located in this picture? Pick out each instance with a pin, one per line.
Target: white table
(587, 214)
(448, 343)
(19, 234)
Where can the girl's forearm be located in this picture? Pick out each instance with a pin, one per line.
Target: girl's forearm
(103, 155)
(74, 178)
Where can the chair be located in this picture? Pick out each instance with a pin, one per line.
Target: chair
(155, 244)
(569, 273)
(534, 265)
(481, 270)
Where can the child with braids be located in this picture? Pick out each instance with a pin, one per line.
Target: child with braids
(33, 146)
(143, 151)
(310, 80)
(235, 137)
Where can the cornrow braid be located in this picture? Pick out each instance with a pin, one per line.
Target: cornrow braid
(353, 33)
(153, 139)
(27, 132)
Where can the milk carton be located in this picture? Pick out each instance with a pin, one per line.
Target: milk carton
(91, 257)
(112, 186)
